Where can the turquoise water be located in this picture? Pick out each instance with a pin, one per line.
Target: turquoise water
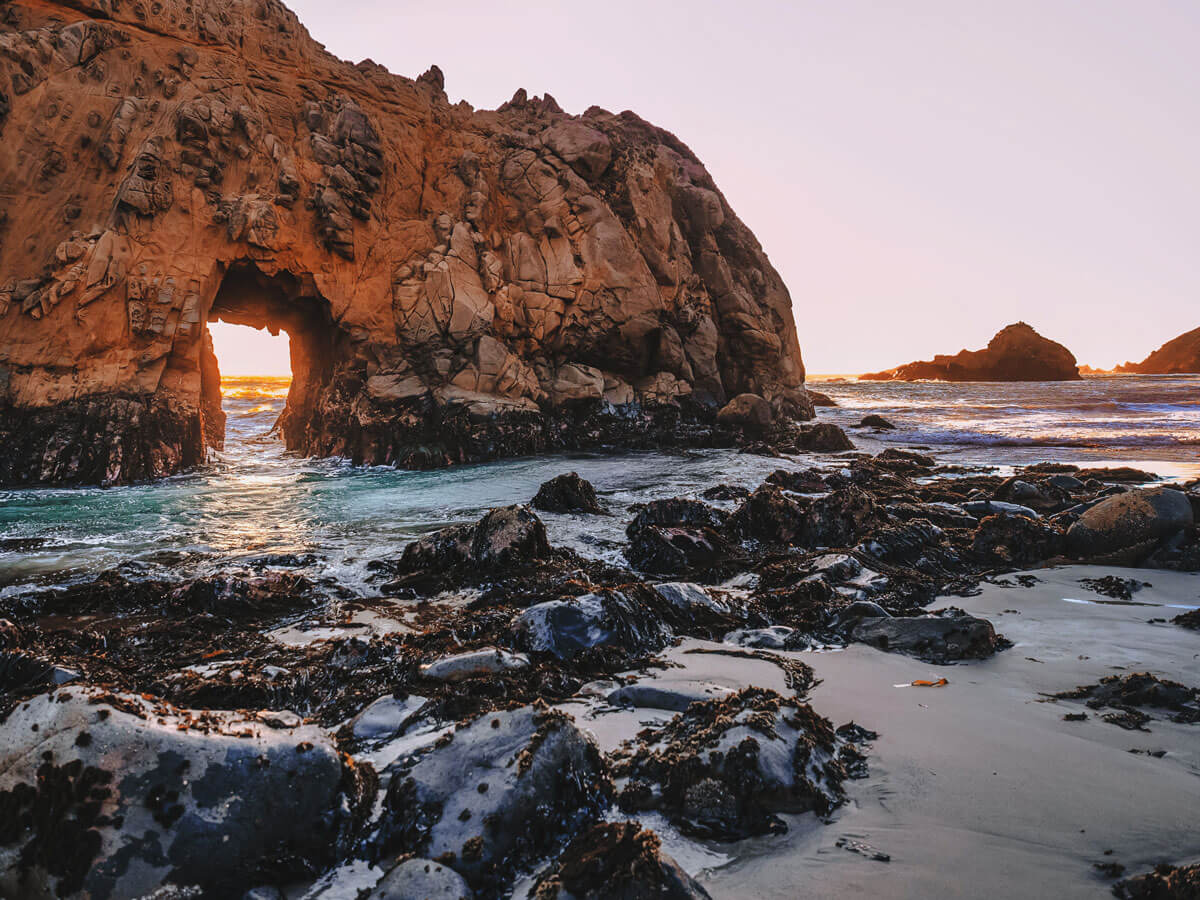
(256, 499)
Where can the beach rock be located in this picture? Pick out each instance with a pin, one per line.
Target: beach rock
(726, 492)
(1177, 356)
(360, 211)
(1017, 540)
(774, 637)
(943, 515)
(980, 509)
(1117, 475)
(724, 768)
(565, 494)
(613, 619)
(673, 696)
(112, 795)
(1166, 882)
(905, 543)
(876, 421)
(421, 879)
(749, 411)
(1189, 619)
(822, 437)
(819, 399)
(807, 481)
(505, 537)
(1129, 526)
(503, 791)
(673, 536)
(386, 717)
(617, 861)
(768, 515)
(862, 609)
(839, 519)
(943, 637)
(473, 664)
(693, 601)
(1016, 353)
(912, 457)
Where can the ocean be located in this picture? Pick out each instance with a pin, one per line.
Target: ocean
(255, 499)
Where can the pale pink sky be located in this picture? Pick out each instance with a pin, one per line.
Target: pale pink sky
(921, 174)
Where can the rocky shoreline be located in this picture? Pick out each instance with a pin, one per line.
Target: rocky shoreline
(462, 730)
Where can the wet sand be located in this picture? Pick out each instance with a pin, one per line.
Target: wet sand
(977, 788)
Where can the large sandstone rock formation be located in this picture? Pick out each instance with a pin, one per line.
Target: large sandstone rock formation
(1178, 356)
(457, 284)
(1016, 353)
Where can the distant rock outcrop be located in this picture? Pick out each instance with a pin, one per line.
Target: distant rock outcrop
(1016, 353)
(1175, 357)
(458, 285)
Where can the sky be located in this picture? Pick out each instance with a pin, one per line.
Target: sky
(920, 173)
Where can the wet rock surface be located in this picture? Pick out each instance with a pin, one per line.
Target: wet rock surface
(498, 793)
(725, 768)
(1166, 882)
(617, 861)
(565, 494)
(488, 620)
(110, 794)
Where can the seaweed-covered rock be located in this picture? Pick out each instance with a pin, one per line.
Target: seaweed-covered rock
(617, 619)
(617, 861)
(768, 515)
(1128, 526)
(839, 519)
(672, 536)
(1166, 882)
(946, 636)
(876, 421)
(565, 494)
(110, 795)
(502, 791)
(1017, 540)
(748, 411)
(505, 537)
(822, 437)
(421, 879)
(725, 768)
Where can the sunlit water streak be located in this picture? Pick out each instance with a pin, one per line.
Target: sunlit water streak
(256, 499)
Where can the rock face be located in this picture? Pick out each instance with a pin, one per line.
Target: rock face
(108, 795)
(1181, 355)
(456, 283)
(1016, 353)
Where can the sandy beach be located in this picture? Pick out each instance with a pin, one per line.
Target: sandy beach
(980, 782)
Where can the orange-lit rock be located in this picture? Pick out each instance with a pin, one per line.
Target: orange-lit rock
(449, 277)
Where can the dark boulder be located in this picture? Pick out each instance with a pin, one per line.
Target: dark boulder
(876, 421)
(676, 535)
(819, 399)
(612, 619)
(505, 537)
(1017, 540)
(806, 481)
(839, 519)
(1166, 882)
(747, 411)
(1127, 527)
(725, 768)
(566, 494)
(768, 515)
(945, 636)
(506, 790)
(823, 437)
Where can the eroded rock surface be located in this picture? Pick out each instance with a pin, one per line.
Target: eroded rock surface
(458, 284)
(108, 795)
(1177, 356)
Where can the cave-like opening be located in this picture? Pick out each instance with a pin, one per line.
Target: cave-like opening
(280, 304)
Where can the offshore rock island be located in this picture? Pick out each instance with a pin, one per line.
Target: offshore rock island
(458, 285)
(1016, 353)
